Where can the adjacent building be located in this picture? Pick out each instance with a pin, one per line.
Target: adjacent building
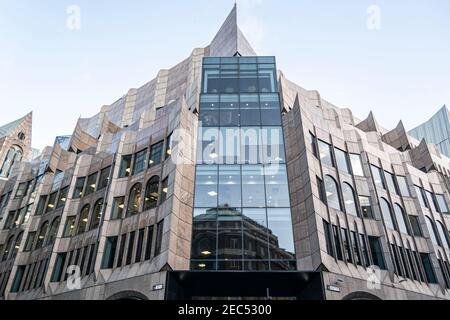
(222, 178)
(436, 131)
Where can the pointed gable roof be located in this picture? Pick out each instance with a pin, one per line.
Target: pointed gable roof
(230, 40)
(8, 128)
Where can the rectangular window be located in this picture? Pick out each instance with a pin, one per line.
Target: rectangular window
(148, 245)
(428, 267)
(347, 245)
(69, 228)
(91, 258)
(156, 151)
(270, 110)
(327, 232)
(390, 180)
(230, 186)
(421, 196)
(313, 143)
(59, 266)
(62, 197)
(139, 161)
(104, 178)
(206, 191)
(159, 235)
(21, 190)
(30, 241)
(9, 223)
(325, 153)
(337, 243)
(109, 252)
(431, 201)
(41, 205)
(91, 185)
(140, 242)
(355, 247)
(442, 204)
(357, 169)
(130, 247)
(342, 160)
(280, 223)
(415, 225)
(125, 166)
(366, 207)
(169, 146)
(123, 242)
(250, 112)
(378, 177)
(79, 188)
(117, 209)
(253, 195)
(51, 202)
(321, 190)
(403, 186)
(164, 189)
(364, 250)
(18, 278)
(277, 191)
(377, 252)
(209, 112)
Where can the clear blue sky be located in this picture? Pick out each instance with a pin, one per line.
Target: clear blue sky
(401, 71)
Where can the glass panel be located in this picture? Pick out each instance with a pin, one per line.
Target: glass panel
(421, 197)
(79, 186)
(204, 242)
(91, 184)
(62, 197)
(117, 210)
(325, 153)
(211, 81)
(164, 189)
(208, 145)
(430, 200)
(253, 195)
(277, 192)
(248, 81)
(83, 220)
(333, 199)
(403, 186)
(229, 110)
(281, 239)
(250, 141)
(341, 160)
(229, 146)
(377, 252)
(104, 178)
(366, 207)
(206, 186)
(96, 214)
(400, 217)
(272, 149)
(415, 225)
(51, 202)
(156, 151)
(249, 110)
(390, 179)
(229, 187)
(387, 214)
(256, 244)
(349, 199)
(134, 200)
(441, 203)
(270, 110)
(355, 160)
(125, 167)
(443, 234)
(151, 193)
(431, 230)
(139, 161)
(377, 177)
(209, 110)
(267, 78)
(69, 228)
(229, 81)
(230, 244)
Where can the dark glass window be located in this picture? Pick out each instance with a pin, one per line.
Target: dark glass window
(104, 178)
(267, 78)
(41, 205)
(59, 265)
(164, 189)
(53, 231)
(250, 113)
(325, 153)
(42, 234)
(390, 180)
(357, 169)
(415, 225)
(79, 187)
(148, 245)
(91, 185)
(159, 235)
(134, 200)
(51, 202)
(428, 267)
(270, 110)
(139, 245)
(139, 161)
(387, 213)
(347, 245)
(123, 241)
(69, 227)
(130, 247)
(62, 197)
(125, 166)
(327, 232)
(313, 143)
(366, 207)
(364, 250)
(421, 197)
(349, 199)
(30, 241)
(96, 214)
(156, 151)
(151, 193)
(331, 189)
(355, 248)
(337, 243)
(377, 252)
(248, 78)
(18, 279)
(109, 252)
(209, 110)
(169, 146)
(432, 230)
(117, 209)
(21, 190)
(229, 80)
(83, 219)
(443, 235)
(431, 201)
(211, 81)
(378, 177)
(342, 160)
(321, 189)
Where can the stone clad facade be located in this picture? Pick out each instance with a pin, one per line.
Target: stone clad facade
(114, 205)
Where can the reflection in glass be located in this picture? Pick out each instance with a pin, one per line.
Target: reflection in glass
(229, 146)
(387, 213)
(349, 199)
(229, 186)
(272, 148)
(355, 160)
(229, 110)
(400, 217)
(249, 110)
(253, 186)
(250, 142)
(341, 159)
(331, 190)
(325, 153)
(281, 238)
(270, 110)
(277, 192)
(206, 186)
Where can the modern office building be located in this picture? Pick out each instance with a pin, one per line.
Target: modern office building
(222, 178)
(436, 131)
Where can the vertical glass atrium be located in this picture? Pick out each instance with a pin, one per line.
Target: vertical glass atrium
(242, 217)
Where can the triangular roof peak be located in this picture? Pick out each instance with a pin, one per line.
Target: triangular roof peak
(229, 40)
(6, 129)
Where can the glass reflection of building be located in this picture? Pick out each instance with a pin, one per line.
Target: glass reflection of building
(242, 218)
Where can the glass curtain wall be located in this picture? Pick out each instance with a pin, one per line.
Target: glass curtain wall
(242, 216)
